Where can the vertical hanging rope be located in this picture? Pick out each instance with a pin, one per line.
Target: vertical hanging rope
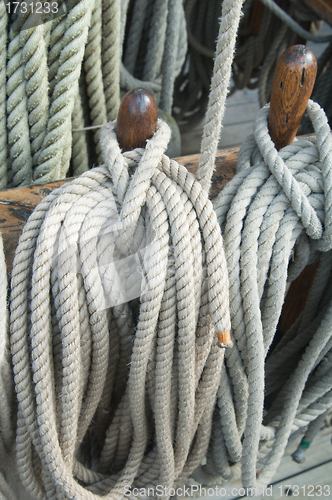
(135, 34)
(93, 74)
(111, 55)
(17, 111)
(170, 53)
(231, 11)
(80, 148)
(34, 60)
(57, 137)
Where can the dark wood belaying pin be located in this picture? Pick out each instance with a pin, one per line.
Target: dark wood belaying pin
(137, 119)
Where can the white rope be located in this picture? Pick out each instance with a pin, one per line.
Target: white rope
(229, 22)
(90, 223)
(274, 205)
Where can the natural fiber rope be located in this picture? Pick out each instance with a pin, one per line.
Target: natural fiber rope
(17, 114)
(69, 344)
(3, 126)
(7, 428)
(44, 65)
(186, 239)
(111, 56)
(77, 214)
(221, 74)
(264, 212)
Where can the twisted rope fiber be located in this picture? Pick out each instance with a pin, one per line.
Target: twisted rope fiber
(58, 126)
(297, 28)
(38, 87)
(17, 113)
(3, 127)
(7, 431)
(64, 330)
(276, 208)
(229, 23)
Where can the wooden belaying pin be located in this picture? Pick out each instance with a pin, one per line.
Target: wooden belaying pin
(293, 82)
(137, 119)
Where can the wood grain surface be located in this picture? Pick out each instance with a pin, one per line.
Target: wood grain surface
(293, 82)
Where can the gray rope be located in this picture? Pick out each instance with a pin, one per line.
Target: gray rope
(262, 224)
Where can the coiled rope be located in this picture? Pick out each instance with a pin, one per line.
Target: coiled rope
(277, 208)
(113, 392)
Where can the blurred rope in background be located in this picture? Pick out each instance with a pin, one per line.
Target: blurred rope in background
(59, 78)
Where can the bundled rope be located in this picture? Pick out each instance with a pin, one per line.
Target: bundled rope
(59, 78)
(78, 346)
(112, 397)
(275, 218)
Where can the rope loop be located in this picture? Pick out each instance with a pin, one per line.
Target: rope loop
(289, 172)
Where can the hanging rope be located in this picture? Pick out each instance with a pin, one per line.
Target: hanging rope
(44, 117)
(322, 89)
(177, 209)
(113, 392)
(275, 208)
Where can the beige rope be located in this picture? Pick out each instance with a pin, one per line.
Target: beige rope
(79, 346)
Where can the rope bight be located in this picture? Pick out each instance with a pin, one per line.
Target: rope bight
(59, 78)
(113, 392)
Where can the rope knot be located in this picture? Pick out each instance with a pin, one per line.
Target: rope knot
(302, 170)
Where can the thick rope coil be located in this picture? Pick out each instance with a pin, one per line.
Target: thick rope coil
(277, 208)
(70, 344)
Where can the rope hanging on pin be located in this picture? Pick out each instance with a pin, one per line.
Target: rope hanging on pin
(87, 354)
(275, 216)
